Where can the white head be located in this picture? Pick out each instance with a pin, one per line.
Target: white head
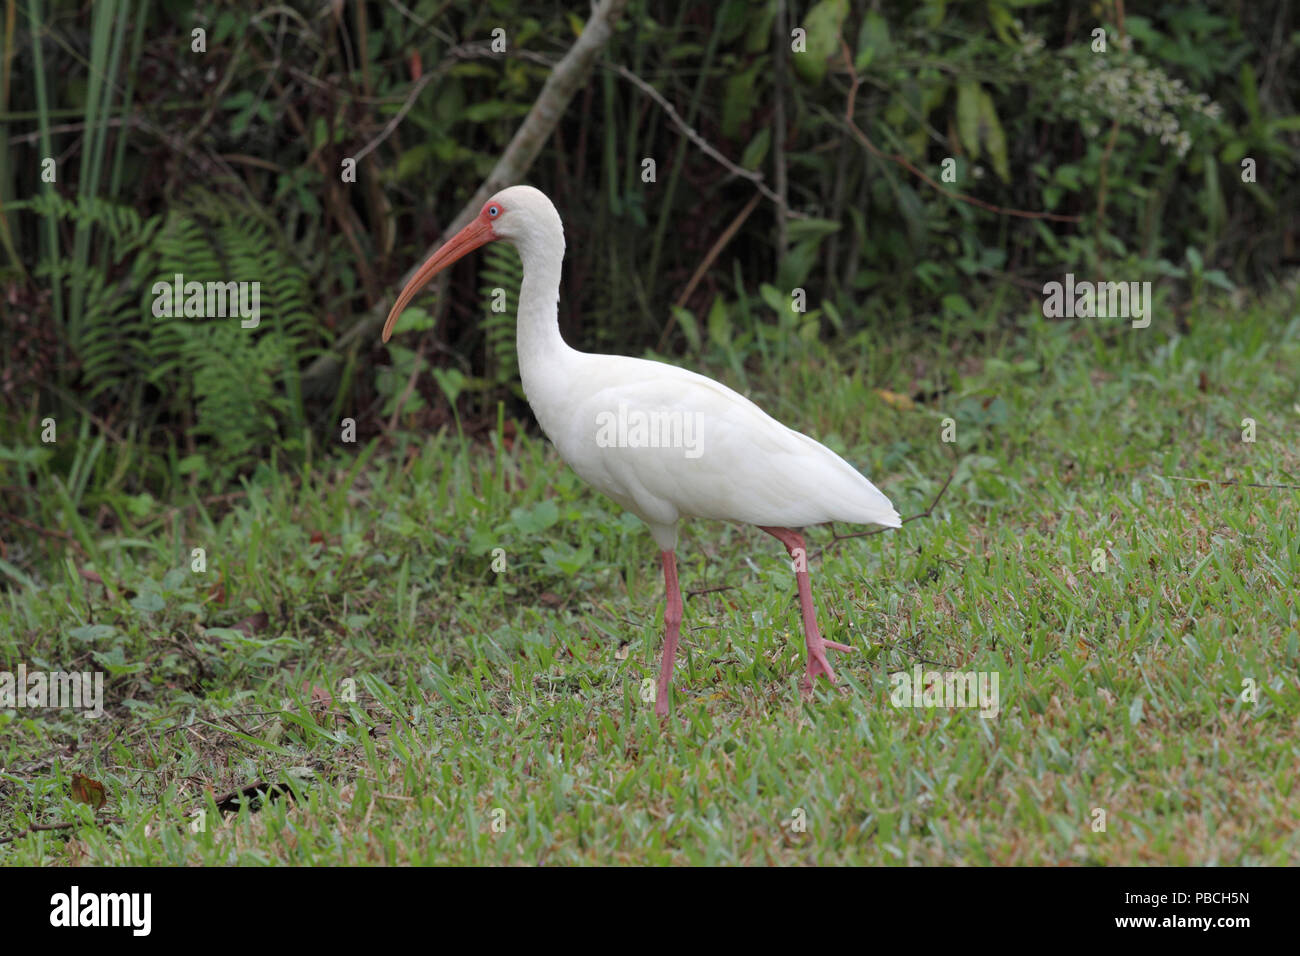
(526, 218)
(520, 215)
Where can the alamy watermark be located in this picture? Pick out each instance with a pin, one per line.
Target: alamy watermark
(82, 691)
(209, 300)
(658, 428)
(1100, 300)
(951, 689)
(75, 908)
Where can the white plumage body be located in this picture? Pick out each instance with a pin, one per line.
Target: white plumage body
(726, 458)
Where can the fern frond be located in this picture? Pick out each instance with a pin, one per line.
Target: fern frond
(502, 270)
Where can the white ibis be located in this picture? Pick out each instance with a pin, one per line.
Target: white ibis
(663, 442)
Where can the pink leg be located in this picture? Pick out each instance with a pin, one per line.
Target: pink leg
(672, 631)
(817, 648)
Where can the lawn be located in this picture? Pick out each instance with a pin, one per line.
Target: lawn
(433, 649)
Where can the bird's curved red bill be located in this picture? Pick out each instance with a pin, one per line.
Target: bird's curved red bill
(477, 233)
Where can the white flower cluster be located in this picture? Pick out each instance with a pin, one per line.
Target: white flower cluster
(1105, 88)
(1099, 88)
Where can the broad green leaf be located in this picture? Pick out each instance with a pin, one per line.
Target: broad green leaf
(148, 601)
(873, 39)
(956, 303)
(1067, 175)
(968, 116)
(756, 151)
(32, 457)
(413, 160)
(995, 141)
(801, 229)
(17, 575)
(690, 328)
(759, 36)
(833, 315)
(776, 300)
(1250, 92)
(539, 517)
(414, 319)
(114, 661)
(1218, 277)
(494, 109)
(1003, 23)
(739, 103)
(734, 18)
(719, 324)
(799, 262)
(822, 25)
(452, 381)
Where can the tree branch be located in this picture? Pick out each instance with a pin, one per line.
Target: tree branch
(910, 167)
(565, 79)
(837, 538)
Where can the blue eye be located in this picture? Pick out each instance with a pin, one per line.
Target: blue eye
(494, 211)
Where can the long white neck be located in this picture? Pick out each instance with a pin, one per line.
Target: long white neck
(544, 357)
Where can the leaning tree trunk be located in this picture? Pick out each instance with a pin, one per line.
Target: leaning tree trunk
(565, 80)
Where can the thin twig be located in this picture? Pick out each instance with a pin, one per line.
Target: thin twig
(1243, 484)
(568, 74)
(700, 141)
(918, 658)
(207, 500)
(400, 115)
(49, 827)
(714, 251)
(903, 161)
(48, 532)
(128, 121)
(702, 591)
(837, 538)
(252, 161)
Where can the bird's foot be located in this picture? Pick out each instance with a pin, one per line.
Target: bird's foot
(818, 665)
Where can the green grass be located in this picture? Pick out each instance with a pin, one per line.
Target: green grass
(515, 697)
